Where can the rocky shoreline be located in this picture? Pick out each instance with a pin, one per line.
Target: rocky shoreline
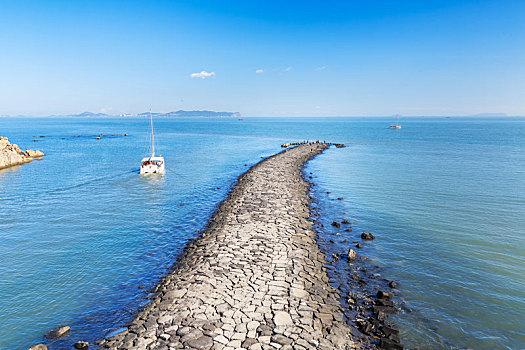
(11, 154)
(255, 278)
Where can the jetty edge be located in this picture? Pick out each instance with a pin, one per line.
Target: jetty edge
(11, 154)
(254, 279)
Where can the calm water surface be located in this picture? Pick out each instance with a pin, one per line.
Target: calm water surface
(83, 237)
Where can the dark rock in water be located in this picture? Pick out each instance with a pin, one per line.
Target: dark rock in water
(352, 255)
(385, 302)
(328, 192)
(336, 224)
(387, 344)
(386, 309)
(384, 295)
(392, 284)
(348, 230)
(345, 222)
(388, 331)
(58, 332)
(367, 235)
(381, 316)
(125, 134)
(358, 245)
(340, 198)
(82, 345)
(38, 346)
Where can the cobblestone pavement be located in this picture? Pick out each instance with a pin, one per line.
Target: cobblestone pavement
(255, 279)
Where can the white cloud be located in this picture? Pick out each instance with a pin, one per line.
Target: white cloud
(317, 107)
(202, 75)
(259, 71)
(287, 69)
(321, 68)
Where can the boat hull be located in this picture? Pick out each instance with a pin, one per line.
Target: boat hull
(152, 169)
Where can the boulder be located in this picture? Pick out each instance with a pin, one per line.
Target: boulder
(336, 224)
(34, 154)
(58, 332)
(367, 236)
(340, 198)
(384, 295)
(352, 255)
(11, 154)
(82, 345)
(38, 347)
(345, 222)
(392, 284)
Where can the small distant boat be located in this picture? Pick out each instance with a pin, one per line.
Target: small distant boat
(396, 125)
(152, 164)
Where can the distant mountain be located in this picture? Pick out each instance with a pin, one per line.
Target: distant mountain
(89, 114)
(179, 113)
(182, 113)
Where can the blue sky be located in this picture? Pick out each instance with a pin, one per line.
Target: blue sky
(268, 58)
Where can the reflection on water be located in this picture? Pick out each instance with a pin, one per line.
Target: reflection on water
(83, 237)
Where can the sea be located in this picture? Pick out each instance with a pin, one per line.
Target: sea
(84, 237)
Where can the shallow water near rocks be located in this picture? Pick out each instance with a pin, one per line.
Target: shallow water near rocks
(83, 237)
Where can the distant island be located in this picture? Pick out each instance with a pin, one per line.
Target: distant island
(179, 113)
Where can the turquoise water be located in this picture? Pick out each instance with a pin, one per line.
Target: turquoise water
(83, 237)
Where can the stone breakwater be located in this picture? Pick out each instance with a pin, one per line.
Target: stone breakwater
(255, 279)
(11, 154)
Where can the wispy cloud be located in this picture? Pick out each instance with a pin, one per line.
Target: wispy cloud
(287, 69)
(202, 75)
(321, 68)
(259, 71)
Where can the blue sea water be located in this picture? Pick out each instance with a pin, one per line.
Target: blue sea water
(83, 237)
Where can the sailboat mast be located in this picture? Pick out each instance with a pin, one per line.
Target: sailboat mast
(152, 135)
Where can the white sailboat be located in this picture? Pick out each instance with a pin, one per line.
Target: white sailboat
(153, 164)
(396, 125)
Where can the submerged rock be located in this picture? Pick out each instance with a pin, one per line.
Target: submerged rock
(82, 345)
(388, 344)
(58, 332)
(384, 295)
(367, 235)
(38, 347)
